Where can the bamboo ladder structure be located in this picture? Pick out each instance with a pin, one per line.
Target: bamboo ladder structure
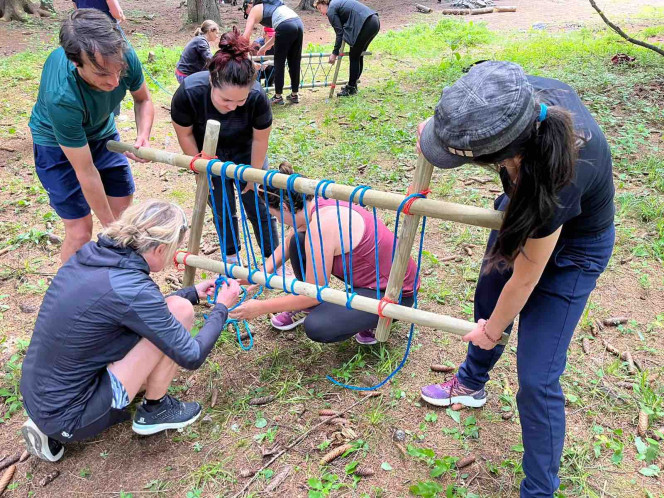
(383, 200)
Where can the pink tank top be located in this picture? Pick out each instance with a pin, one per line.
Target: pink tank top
(364, 255)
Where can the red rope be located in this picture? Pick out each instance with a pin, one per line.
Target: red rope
(384, 301)
(180, 266)
(200, 155)
(409, 202)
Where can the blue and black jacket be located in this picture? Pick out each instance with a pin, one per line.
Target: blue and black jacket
(99, 305)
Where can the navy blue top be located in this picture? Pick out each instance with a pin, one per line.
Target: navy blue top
(99, 305)
(94, 4)
(269, 6)
(586, 205)
(194, 56)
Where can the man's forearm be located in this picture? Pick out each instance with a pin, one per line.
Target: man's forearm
(93, 191)
(144, 112)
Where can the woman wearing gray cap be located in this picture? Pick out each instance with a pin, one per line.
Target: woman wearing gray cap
(556, 239)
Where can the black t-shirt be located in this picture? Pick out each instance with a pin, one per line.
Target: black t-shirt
(586, 205)
(194, 56)
(192, 106)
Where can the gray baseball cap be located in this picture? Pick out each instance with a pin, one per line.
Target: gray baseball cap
(481, 113)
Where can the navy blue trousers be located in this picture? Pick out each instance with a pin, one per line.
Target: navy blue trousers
(546, 326)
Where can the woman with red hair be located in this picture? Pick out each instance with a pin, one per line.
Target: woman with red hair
(229, 93)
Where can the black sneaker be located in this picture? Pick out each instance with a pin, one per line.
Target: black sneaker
(39, 444)
(293, 98)
(168, 414)
(347, 91)
(277, 100)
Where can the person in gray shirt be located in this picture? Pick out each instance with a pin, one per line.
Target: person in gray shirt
(197, 52)
(357, 25)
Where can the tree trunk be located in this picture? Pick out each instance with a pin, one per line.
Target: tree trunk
(200, 10)
(14, 10)
(305, 5)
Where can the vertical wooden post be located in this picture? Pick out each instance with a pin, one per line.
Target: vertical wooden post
(336, 69)
(200, 202)
(423, 172)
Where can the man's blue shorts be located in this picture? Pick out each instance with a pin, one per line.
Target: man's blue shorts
(59, 178)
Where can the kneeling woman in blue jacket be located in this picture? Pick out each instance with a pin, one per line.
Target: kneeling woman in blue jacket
(105, 331)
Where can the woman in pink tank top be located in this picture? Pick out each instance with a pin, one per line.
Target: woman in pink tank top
(326, 322)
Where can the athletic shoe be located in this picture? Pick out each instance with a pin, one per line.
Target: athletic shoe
(39, 444)
(294, 98)
(347, 91)
(168, 414)
(232, 259)
(277, 100)
(366, 337)
(288, 320)
(451, 392)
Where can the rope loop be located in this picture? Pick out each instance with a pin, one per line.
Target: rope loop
(269, 175)
(290, 183)
(408, 201)
(322, 187)
(292, 287)
(363, 190)
(200, 155)
(350, 300)
(238, 174)
(183, 265)
(318, 291)
(224, 167)
(384, 301)
(250, 277)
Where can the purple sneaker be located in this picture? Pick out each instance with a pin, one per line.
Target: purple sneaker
(366, 337)
(451, 392)
(288, 320)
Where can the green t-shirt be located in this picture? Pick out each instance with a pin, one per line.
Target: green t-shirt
(68, 111)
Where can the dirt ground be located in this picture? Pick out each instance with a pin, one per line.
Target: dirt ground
(119, 459)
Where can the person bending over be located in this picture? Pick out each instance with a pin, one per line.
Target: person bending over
(71, 122)
(105, 332)
(358, 25)
(287, 40)
(326, 322)
(555, 240)
(197, 53)
(229, 93)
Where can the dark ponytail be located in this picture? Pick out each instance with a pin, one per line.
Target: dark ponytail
(548, 152)
(273, 198)
(231, 64)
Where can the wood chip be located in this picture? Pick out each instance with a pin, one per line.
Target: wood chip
(246, 473)
(616, 320)
(627, 356)
(364, 471)
(600, 325)
(585, 345)
(215, 395)
(625, 385)
(7, 478)
(594, 329)
(263, 400)
(465, 462)
(336, 421)
(334, 454)
(507, 415)
(9, 461)
(468, 250)
(278, 479)
(642, 426)
(7, 149)
(447, 258)
(24, 456)
(49, 478)
(326, 412)
(442, 368)
(626, 260)
(370, 394)
(210, 250)
(457, 407)
(402, 450)
(610, 348)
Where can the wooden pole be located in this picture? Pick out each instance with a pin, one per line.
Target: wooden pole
(393, 311)
(259, 58)
(421, 180)
(200, 201)
(317, 84)
(469, 215)
(336, 69)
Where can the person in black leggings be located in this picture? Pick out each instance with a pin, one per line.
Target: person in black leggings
(288, 39)
(358, 25)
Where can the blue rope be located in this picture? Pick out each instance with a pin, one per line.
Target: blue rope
(415, 292)
(154, 80)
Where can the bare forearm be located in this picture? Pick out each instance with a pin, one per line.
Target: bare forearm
(188, 145)
(287, 303)
(144, 112)
(258, 153)
(510, 303)
(93, 191)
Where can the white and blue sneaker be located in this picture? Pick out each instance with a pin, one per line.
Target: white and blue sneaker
(169, 413)
(39, 444)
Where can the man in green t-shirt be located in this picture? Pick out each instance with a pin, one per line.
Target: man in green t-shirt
(82, 82)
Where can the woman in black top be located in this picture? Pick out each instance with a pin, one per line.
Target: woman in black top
(197, 52)
(229, 93)
(358, 25)
(556, 239)
(289, 35)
